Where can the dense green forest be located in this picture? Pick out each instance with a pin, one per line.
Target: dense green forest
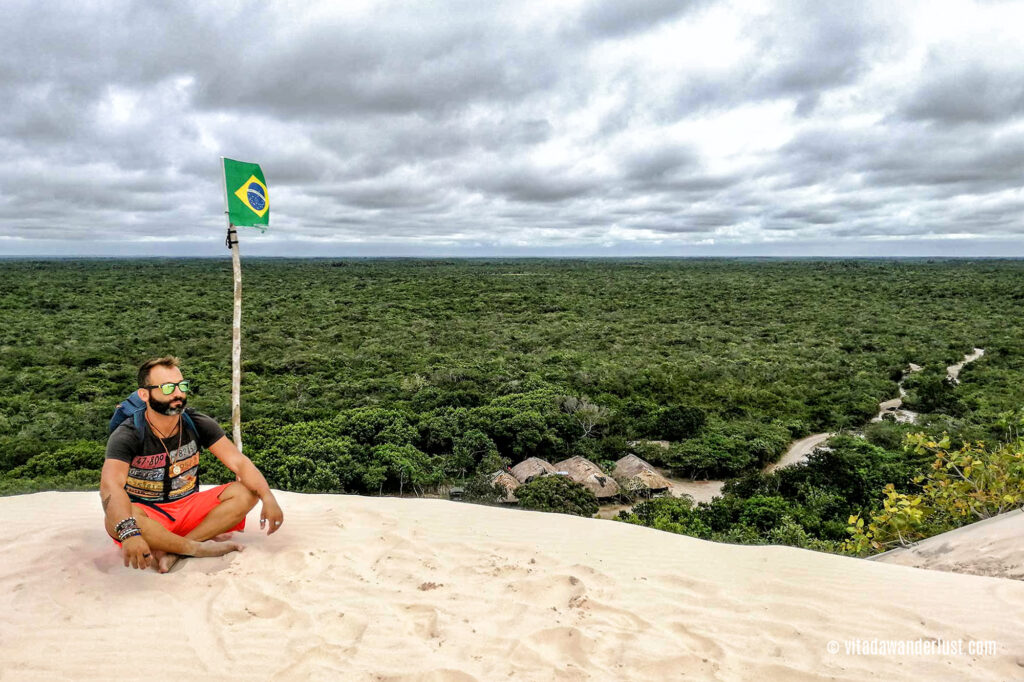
(383, 376)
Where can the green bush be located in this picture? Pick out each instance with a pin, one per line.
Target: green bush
(724, 450)
(932, 391)
(851, 468)
(81, 479)
(671, 514)
(83, 455)
(469, 450)
(635, 419)
(789, 532)
(480, 490)
(712, 455)
(558, 494)
(763, 513)
(679, 422)
(886, 434)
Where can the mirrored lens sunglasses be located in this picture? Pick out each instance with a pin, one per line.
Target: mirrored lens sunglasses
(168, 388)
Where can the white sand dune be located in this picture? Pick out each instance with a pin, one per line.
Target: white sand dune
(357, 588)
(991, 547)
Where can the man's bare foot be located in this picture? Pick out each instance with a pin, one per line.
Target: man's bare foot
(164, 560)
(223, 537)
(208, 549)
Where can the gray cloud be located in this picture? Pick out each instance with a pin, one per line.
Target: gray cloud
(974, 162)
(612, 18)
(658, 163)
(801, 51)
(467, 126)
(966, 93)
(534, 185)
(817, 46)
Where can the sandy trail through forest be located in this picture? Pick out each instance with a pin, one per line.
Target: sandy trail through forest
(953, 371)
(798, 451)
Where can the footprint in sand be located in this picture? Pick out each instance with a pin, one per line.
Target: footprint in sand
(108, 562)
(556, 646)
(550, 591)
(348, 629)
(422, 620)
(623, 621)
(690, 641)
(255, 604)
(292, 562)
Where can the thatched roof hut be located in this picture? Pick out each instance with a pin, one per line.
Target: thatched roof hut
(578, 468)
(532, 468)
(508, 482)
(584, 471)
(634, 473)
(601, 485)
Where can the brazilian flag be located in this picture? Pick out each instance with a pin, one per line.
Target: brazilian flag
(248, 199)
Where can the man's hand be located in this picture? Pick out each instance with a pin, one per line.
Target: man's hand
(251, 478)
(271, 511)
(136, 552)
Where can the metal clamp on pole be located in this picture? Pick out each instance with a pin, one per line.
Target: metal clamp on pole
(232, 238)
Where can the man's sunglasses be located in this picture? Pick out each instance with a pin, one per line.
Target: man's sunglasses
(168, 388)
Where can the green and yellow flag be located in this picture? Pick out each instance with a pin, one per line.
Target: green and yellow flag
(248, 199)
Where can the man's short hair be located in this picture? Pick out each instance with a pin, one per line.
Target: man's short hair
(165, 361)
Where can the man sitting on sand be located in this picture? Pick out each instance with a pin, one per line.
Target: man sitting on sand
(150, 486)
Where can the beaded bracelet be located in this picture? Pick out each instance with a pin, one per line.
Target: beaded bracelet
(130, 533)
(127, 528)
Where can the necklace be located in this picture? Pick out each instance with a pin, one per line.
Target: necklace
(176, 469)
(159, 434)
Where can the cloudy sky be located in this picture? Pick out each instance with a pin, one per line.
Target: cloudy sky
(597, 127)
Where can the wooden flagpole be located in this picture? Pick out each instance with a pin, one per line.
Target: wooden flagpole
(236, 342)
(236, 323)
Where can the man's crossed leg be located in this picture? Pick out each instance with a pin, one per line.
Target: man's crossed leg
(199, 525)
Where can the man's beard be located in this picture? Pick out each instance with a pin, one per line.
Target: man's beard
(165, 408)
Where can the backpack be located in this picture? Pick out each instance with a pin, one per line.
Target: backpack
(134, 407)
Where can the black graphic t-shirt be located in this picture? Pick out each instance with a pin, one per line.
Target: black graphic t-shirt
(162, 471)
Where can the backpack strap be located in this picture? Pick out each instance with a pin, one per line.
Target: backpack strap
(187, 420)
(139, 421)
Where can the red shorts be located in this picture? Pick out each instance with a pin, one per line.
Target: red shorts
(182, 516)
